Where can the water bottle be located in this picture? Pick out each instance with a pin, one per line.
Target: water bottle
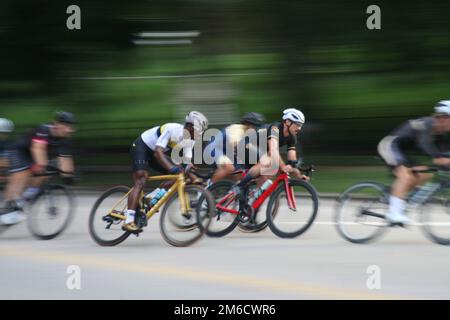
(260, 191)
(158, 196)
(149, 196)
(423, 193)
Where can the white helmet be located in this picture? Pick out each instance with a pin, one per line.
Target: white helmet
(294, 115)
(443, 107)
(6, 125)
(199, 121)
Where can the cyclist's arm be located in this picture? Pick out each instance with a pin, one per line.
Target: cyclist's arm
(161, 144)
(162, 159)
(273, 144)
(441, 161)
(39, 152)
(66, 164)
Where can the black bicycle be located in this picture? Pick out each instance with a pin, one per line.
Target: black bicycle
(50, 211)
(360, 210)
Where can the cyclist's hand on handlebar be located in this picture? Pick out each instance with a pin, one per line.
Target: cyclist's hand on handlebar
(297, 173)
(444, 162)
(175, 170)
(287, 168)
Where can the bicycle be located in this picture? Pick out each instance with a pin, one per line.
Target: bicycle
(367, 202)
(220, 189)
(110, 217)
(283, 187)
(53, 201)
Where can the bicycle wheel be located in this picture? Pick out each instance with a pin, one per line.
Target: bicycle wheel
(435, 217)
(51, 212)
(360, 211)
(292, 223)
(171, 212)
(222, 223)
(105, 229)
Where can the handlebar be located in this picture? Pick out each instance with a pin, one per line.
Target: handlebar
(432, 169)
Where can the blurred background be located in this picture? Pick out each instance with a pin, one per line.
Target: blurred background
(136, 64)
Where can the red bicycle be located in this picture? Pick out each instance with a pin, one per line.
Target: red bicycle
(298, 196)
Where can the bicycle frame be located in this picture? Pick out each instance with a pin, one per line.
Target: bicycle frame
(178, 186)
(282, 178)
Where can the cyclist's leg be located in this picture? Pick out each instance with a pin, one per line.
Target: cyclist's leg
(225, 168)
(140, 156)
(154, 164)
(404, 181)
(19, 173)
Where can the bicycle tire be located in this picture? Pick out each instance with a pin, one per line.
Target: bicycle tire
(380, 189)
(226, 184)
(71, 201)
(92, 232)
(272, 202)
(202, 230)
(425, 217)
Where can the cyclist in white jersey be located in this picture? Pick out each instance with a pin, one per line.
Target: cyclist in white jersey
(149, 151)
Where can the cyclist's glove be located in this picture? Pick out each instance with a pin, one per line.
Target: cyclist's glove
(175, 170)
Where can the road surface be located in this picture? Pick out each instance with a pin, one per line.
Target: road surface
(318, 265)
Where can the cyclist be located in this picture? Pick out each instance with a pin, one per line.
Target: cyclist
(30, 155)
(278, 134)
(226, 143)
(149, 149)
(425, 135)
(6, 127)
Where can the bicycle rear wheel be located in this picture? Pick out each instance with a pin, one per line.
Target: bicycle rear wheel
(222, 223)
(171, 216)
(105, 229)
(289, 223)
(435, 217)
(51, 212)
(360, 211)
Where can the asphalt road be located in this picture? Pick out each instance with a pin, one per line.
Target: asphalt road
(318, 265)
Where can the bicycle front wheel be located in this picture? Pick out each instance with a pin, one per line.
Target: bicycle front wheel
(435, 217)
(289, 222)
(360, 212)
(51, 212)
(222, 223)
(200, 200)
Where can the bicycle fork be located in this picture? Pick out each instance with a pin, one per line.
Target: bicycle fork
(290, 196)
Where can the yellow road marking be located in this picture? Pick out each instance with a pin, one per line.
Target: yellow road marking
(183, 273)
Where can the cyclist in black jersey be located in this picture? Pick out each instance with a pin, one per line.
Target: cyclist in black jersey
(6, 128)
(30, 154)
(278, 134)
(424, 135)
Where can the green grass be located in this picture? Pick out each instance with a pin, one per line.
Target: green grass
(337, 179)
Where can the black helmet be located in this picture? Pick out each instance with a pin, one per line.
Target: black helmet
(254, 118)
(65, 117)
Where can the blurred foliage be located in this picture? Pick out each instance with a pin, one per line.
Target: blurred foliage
(354, 84)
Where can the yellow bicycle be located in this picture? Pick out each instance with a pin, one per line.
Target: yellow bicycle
(178, 224)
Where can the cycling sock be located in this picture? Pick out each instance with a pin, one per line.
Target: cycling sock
(396, 205)
(129, 214)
